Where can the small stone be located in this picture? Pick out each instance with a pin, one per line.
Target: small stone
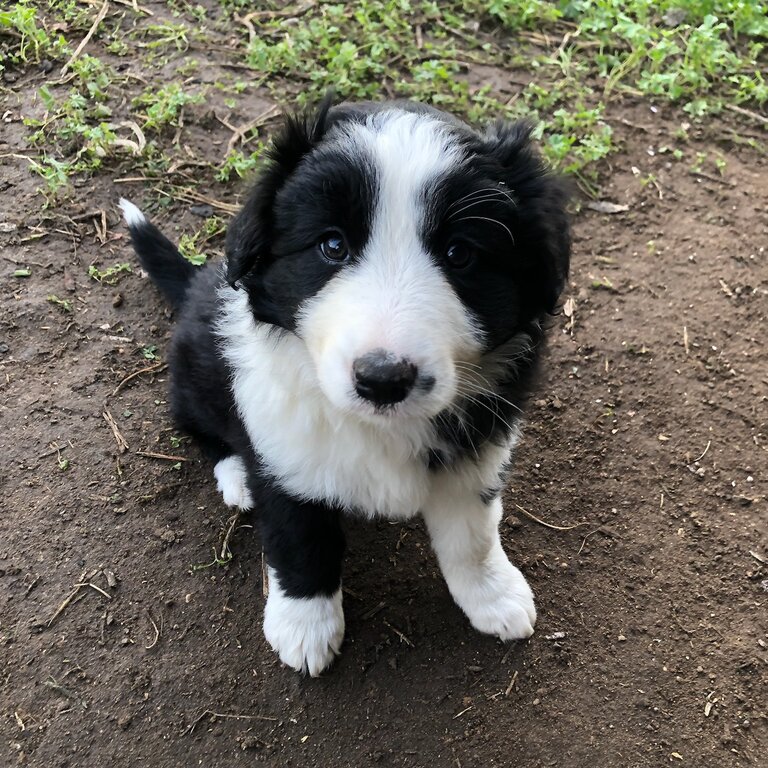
(117, 300)
(124, 721)
(621, 638)
(250, 742)
(204, 211)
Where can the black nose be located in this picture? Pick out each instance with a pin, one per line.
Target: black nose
(383, 379)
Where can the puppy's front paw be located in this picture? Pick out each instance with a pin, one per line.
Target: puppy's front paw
(232, 482)
(306, 632)
(498, 601)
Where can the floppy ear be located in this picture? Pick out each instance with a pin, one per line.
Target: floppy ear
(542, 236)
(249, 235)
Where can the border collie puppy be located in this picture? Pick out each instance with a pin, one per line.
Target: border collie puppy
(367, 349)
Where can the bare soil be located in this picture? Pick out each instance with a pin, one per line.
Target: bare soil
(647, 442)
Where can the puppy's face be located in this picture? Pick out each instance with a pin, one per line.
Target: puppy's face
(400, 246)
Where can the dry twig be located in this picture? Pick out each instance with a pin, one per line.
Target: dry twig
(548, 525)
(211, 713)
(511, 683)
(747, 113)
(157, 367)
(163, 456)
(122, 444)
(402, 636)
(157, 632)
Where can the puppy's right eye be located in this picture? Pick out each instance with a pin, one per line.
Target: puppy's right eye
(334, 248)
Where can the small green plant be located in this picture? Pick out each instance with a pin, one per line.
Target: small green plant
(698, 164)
(240, 164)
(148, 352)
(191, 246)
(164, 106)
(110, 275)
(577, 54)
(603, 284)
(217, 561)
(162, 35)
(55, 173)
(33, 42)
(720, 163)
(64, 304)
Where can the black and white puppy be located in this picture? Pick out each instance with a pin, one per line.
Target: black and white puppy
(367, 349)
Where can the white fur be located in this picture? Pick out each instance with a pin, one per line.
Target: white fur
(133, 215)
(485, 585)
(306, 632)
(232, 482)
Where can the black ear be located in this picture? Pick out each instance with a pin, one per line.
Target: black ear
(249, 235)
(542, 236)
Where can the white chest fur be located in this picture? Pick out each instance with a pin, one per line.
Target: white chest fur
(313, 449)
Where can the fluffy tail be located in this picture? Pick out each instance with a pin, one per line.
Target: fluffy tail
(169, 270)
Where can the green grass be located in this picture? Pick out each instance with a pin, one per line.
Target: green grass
(127, 103)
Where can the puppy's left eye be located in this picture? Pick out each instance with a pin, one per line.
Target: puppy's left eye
(334, 247)
(460, 255)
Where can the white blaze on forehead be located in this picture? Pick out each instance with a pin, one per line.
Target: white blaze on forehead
(410, 152)
(399, 289)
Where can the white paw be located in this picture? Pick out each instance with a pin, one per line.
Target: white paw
(497, 599)
(232, 482)
(305, 632)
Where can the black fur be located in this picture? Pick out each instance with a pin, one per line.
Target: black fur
(169, 270)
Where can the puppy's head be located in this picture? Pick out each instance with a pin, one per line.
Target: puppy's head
(400, 246)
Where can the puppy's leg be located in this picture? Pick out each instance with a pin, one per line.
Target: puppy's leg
(229, 468)
(232, 482)
(304, 546)
(465, 536)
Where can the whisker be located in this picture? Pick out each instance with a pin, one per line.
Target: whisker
(476, 201)
(492, 221)
(495, 413)
(485, 190)
(473, 203)
(490, 392)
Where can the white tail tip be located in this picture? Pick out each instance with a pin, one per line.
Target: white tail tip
(133, 216)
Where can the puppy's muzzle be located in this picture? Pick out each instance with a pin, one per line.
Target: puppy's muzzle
(382, 378)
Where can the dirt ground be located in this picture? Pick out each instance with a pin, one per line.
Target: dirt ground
(646, 443)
